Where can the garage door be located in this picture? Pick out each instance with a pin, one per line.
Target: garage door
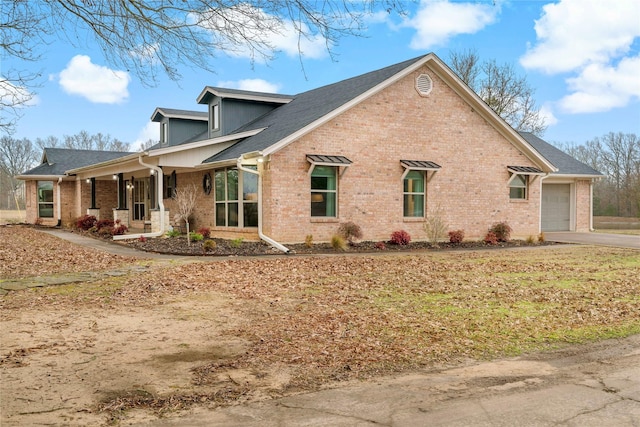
(556, 207)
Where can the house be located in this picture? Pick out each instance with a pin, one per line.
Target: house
(385, 150)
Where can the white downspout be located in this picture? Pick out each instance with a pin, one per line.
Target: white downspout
(540, 204)
(267, 239)
(159, 184)
(59, 210)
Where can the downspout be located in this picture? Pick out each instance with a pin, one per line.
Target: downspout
(160, 183)
(59, 204)
(262, 236)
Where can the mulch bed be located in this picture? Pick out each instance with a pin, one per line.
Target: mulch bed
(180, 246)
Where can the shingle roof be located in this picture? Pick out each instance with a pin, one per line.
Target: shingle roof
(306, 108)
(56, 161)
(566, 164)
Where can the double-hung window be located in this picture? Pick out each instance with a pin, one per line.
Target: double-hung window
(45, 199)
(324, 172)
(414, 194)
(236, 198)
(518, 187)
(324, 191)
(417, 173)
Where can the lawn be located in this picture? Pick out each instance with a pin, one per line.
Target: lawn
(233, 330)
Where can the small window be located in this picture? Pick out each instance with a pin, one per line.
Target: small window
(214, 117)
(45, 199)
(164, 132)
(414, 194)
(518, 187)
(324, 191)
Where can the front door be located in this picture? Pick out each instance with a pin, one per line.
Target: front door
(141, 199)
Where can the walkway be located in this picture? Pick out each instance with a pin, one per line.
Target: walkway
(598, 239)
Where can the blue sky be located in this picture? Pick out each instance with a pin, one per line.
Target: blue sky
(582, 57)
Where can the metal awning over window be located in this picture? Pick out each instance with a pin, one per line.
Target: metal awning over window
(327, 160)
(523, 170)
(421, 165)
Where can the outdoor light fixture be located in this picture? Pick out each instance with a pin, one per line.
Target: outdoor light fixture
(152, 172)
(115, 176)
(88, 181)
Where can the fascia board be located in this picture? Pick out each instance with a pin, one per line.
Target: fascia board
(120, 160)
(355, 101)
(39, 177)
(247, 97)
(203, 143)
(163, 113)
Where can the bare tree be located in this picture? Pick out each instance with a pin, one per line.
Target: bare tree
(507, 93)
(16, 156)
(185, 198)
(152, 37)
(85, 141)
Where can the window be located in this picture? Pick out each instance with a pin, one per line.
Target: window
(414, 194)
(169, 185)
(324, 191)
(232, 208)
(45, 199)
(164, 132)
(214, 117)
(518, 187)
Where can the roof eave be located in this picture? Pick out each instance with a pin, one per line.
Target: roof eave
(203, 143)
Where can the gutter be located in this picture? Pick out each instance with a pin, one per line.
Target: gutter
(262, 236)
(58, 202)
(159, 184)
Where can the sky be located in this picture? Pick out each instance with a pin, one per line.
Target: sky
(581, 57)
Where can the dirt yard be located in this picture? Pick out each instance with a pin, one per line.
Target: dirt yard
(119, 350)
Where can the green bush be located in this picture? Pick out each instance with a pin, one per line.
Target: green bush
(209, 245)
(196, 237)
(173, 233)
(236, 243)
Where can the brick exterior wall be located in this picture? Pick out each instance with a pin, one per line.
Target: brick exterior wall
(470, 188)
(583, 205)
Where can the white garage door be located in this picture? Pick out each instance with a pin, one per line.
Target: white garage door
(556, 207)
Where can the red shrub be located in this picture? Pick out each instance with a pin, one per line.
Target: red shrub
(85, 222)
(502, 230)
(400, 237)
(205, 231)
(456, 236)
(491, 238)
(104, 223)
(381, 246)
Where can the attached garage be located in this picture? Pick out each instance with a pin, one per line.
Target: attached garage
(556, 207)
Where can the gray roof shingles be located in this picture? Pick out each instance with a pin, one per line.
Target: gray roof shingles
(56, 161)
(566, 164)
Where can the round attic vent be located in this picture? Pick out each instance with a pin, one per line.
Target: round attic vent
(424, 84)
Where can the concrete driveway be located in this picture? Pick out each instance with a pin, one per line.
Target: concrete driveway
(599, 239)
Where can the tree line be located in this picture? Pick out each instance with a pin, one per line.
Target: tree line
(617, 156)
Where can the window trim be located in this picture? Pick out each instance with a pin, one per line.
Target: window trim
(422, 193)
(42, 203)
(327, 191)
(528, 174)
(430, 169)
(240, 200)
(214, 117)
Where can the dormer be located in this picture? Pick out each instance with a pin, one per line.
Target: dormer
(177, 126)
(230, 109)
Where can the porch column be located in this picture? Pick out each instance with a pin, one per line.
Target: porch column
(93, 193)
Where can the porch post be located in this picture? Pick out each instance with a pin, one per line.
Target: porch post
(93, 193)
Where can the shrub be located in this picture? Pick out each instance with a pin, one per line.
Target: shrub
(308, 241)
(435, 226)
(119, 228)
(174, 232)
(196, 237)
(400, 237)
(85, 222)
(209, 245)
(104, 223)
(381, 246)
(491, 238)
(338, 243)
(456, 236)
(350, 231)
(205, 231)
(142, 239)
(236, 243)
(105, 231)
(541, 238)
(502, 230)
(530, 240)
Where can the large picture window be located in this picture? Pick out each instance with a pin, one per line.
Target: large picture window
(45, 199)
(324, 191)
(414, 194)
(236, 208)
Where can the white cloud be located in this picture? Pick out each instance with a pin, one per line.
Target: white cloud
(151, 131)
(264, 30)
(575, 33)
(547, 114)
(437, 21)
(96, 83)
(256, 85)
(603, 87)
